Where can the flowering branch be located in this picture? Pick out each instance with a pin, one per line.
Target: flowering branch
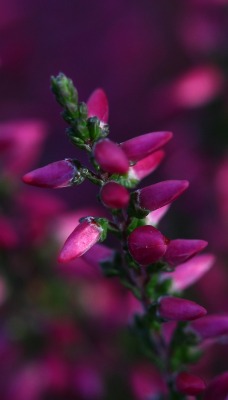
(155, 268)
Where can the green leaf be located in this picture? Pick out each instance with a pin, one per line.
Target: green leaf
(124, 180)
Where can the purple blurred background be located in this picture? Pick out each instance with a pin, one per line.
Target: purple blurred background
(164, 66)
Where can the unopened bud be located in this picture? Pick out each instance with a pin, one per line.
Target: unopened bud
(97, 105)
(85, 235)
(141, 146)
(146, 244)
(181, 250)
(154, 217)
(146, 166)
(55, 175)
(111, 157)
(178, 309)
(64, 90)
(114, 195)
(156, 196)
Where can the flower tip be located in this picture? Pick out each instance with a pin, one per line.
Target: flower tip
(97, 105)
(27, 178)
(169, 136)
(62, 259)
(185, 184)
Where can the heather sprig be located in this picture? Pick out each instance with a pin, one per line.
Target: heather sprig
(145, 258)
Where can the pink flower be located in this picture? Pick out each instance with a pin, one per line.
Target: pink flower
(189, 384)
(178, 309)
(56, 175)
(198, 86)
(158, 195)
(97, 105)
(85, 235)
(154, 217)
(210, 327)
(191, 271)
(180, 250)
(114, 195)
(26, 137)
(111, 157)
(146, 244)
(141, 146)
(218, 388)
(146, 166)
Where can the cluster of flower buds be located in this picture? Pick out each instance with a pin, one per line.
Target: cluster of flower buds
(153, 266)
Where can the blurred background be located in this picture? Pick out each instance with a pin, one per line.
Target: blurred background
(164, 66)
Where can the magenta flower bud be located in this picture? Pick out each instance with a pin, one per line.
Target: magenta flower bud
(146, 166)
(210, 327)
(114, 195)
(158, 195)
(217, 388)
(111, 157)
(178, 309)
(85, 235)
(146, 244)
(141, 146)
(55, 175)
(188, 273)
(181, 250)
(97, 105)
(189, 384)
(154, 217)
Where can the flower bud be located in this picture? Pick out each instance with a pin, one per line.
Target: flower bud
(111, 157)
(55, 175)
(146, 244)
(189, 384)
(156, 196)
(146, 166)
(64, 90)
(210, 327)
(154, 217)
(178, 309)
(217, 388)
(114, 195)
(85, 235)
(188, 273)
(141, 146)
(97, 105)
(180, 250)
